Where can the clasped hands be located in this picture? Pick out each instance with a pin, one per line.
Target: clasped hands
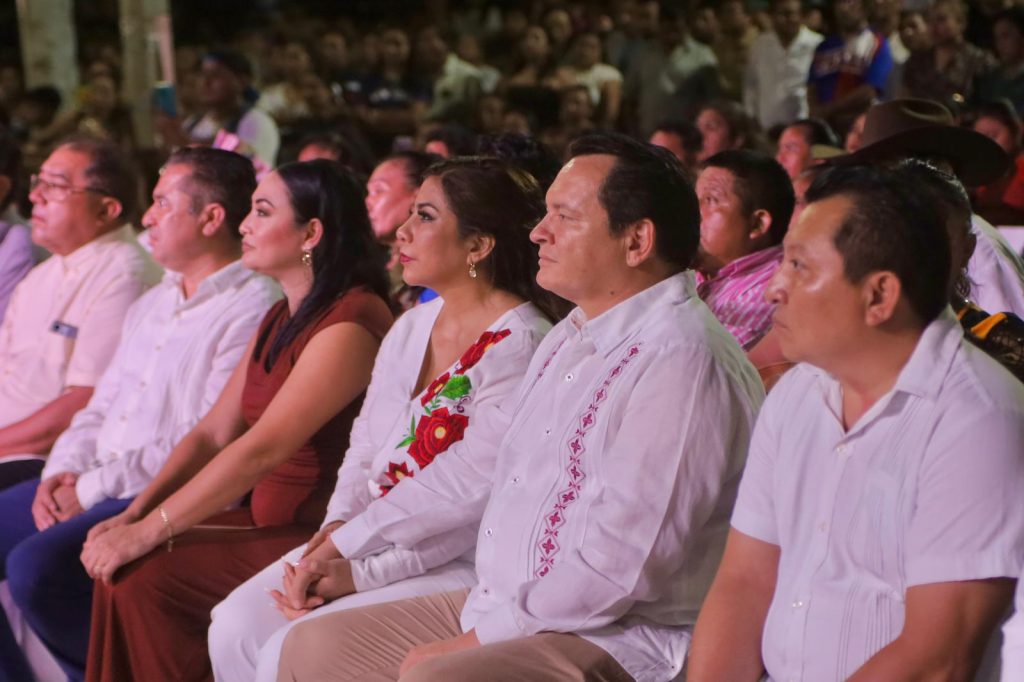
(319, 576)
(56, 500)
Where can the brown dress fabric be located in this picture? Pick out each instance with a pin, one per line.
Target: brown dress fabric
(151, 623)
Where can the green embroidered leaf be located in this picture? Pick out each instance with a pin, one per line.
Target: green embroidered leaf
(412, 434)
(458, 386)
(409, 440)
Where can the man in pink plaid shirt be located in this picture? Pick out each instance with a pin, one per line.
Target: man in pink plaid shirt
(746, 200)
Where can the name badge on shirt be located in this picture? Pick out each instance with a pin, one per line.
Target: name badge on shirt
(64, 329)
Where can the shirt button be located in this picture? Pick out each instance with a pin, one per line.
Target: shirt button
(798, 604)
(568, 377)
(841, 448)
(515, 480)
(485, 591)
(488, 532)
(547, 432)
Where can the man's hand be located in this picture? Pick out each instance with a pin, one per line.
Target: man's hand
(53, 501)
(423, 653)
(68, 505)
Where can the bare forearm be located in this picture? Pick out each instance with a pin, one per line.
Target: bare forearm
(900, 661)
(186, 460)
(37, 433)
(727, 639)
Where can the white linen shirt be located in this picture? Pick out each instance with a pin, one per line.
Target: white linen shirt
(605, 508)
(925, 488)
(996, 271)
(378, 445)
(775, 82)
(174, 359)
(64, 321)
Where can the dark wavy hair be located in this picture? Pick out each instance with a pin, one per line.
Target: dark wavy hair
(493, 197)
(347, 255)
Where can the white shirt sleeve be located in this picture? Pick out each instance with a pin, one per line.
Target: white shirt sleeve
(397, 563)
(668, 465)
(130, 473)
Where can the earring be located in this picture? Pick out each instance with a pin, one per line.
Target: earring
(307, 259)
(472, 270)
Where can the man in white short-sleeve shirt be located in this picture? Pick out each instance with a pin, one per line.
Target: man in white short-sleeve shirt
(182, 340)
(64, 319)
(878, 529)
(602, 491)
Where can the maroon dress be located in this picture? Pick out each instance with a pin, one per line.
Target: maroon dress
(151, 623)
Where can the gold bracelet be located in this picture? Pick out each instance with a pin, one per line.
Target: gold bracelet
(170, 528)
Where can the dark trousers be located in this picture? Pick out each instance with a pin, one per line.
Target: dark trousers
(12, 473)
(47, 580)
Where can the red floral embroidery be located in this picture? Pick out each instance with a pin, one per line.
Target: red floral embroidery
(395, 474)
(434, 433)
(434, 388)
(477, 350)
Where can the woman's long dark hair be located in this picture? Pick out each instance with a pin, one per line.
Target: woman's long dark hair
(347, 255)
(492, 197)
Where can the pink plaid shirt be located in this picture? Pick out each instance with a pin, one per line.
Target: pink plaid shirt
(736, 295)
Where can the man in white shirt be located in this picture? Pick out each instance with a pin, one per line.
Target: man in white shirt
(181, 342)
(64, 319)
(877, 533)
(602, 494)
(775, 80)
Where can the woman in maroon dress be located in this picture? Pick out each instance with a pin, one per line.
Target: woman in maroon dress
(278, 430)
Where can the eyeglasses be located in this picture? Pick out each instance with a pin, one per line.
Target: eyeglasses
(55, 191)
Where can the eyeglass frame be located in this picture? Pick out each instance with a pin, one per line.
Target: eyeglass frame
(35, 181)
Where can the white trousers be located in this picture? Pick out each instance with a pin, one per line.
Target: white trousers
(247, 630)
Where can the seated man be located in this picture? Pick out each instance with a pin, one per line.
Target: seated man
(181, 342)
(877, 531)
(745, 203)
(605, 506)
(64, 319)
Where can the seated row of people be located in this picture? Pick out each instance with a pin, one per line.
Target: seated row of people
(585, 475)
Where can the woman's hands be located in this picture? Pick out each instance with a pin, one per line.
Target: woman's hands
(321, 575)
(118, 545)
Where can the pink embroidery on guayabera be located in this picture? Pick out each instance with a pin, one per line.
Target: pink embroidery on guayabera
(553, 521)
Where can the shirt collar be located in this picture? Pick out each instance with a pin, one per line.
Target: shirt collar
(227, 277)
(87, 251)
(751, 261)
(609, 329)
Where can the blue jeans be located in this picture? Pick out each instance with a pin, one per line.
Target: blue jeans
(46, 580)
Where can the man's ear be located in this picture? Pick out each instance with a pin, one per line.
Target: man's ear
(882, 291)
(761, 225)
(212, 219)
(638, 242)
(110, 209)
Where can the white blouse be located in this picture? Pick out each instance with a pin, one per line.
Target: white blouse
(396, 436)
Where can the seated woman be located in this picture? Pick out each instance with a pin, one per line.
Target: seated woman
(278, 430)
(1002, 202)
(724, 124)
(443, 364)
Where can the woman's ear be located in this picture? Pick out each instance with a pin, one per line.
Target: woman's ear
(314, 232)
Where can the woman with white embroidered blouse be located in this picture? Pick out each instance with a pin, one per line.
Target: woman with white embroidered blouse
(442, 363)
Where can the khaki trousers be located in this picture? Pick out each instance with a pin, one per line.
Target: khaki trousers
(369, 644)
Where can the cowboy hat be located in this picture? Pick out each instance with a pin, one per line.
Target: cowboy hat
(920, 127)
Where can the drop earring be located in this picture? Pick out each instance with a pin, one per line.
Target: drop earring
(307, 259)
(472, 270)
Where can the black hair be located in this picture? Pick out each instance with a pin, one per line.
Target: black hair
(740, 124)
(493, 197)
(688, 133)
(414, 165)
(1001, 110)
(760, 183)
(893, 224)
(218, 176)
(523, 151)
(816, 131)
(332, 142)
(10, 167)
(647, 181)
(947, 189)
(347, 255)
(45, 96)
(1013, 15)
(233, 61)
(110, 172)
(459, 140)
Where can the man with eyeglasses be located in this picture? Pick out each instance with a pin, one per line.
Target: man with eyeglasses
(64, 319)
